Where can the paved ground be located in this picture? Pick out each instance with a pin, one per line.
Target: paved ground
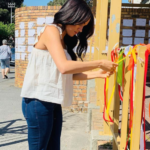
(13, 128)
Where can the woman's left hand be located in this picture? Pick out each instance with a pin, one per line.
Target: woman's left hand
(104, 74)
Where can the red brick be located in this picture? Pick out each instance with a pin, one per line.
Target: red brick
(84, 82)
(74, 106)
(83, 98)
(84, 91)
(85, 104)
(82, 87)
(77, 91)
(81, 82)
(77, 82)
(82, 95)
(78, 98)
(74, 102)
(75, 94)
(75, 87)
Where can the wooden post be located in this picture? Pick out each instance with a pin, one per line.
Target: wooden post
(114, 31)
(135, 140)
(96, 43)
(101, 47)
(114, 28)
(125, 107)
(116, 117)
(101, 44)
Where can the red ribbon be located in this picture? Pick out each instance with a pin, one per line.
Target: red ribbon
(143, 108)
(131, 104)
(119, 90)
(131, 66)
(113, 57)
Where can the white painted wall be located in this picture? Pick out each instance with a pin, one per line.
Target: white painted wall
(137, 1)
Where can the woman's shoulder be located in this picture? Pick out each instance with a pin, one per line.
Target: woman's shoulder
(52, 30)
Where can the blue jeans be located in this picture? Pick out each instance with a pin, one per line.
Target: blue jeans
(44, 120)
(12, 56)
(5, 63)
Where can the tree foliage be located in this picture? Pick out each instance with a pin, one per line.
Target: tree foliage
(5, 12)
(6, 30)
(56, 3)
(61, 2)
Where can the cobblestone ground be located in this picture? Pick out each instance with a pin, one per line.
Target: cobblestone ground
(13, 128)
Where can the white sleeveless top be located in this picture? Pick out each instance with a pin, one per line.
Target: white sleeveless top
(43, 80)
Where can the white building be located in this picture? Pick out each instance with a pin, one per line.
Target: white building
(136, 1)
(145, 1)
(139, 1)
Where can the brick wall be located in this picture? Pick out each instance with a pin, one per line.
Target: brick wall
(26, 15)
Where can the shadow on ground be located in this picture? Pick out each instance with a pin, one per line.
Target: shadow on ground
(12, 132)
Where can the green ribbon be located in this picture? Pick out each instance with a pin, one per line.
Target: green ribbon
(120, 68)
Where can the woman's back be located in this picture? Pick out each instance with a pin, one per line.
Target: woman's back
(5, 52)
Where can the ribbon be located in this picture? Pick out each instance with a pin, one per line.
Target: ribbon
(133, 60)
(105, 103)
(145, 74)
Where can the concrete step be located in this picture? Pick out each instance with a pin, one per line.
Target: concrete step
(97, 139)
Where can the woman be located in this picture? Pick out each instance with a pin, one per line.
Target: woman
(5, 54)
(52, 67)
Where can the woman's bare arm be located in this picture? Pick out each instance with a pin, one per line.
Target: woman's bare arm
(92, 75)
(85, 75)
(52, 41)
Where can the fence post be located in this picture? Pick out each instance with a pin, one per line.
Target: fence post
(96, 41)
(125, 106)
(101, 47)
(137, 110)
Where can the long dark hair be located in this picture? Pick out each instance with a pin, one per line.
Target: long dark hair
(75, 12)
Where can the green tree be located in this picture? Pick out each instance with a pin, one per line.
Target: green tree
(22, 5)
(56, 3)
(6, 30)
(61, 2)
(5, 12)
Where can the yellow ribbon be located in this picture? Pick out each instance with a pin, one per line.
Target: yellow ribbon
(131, 51)
(112, 94)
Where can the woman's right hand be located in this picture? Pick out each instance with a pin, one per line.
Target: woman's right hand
(108, 65)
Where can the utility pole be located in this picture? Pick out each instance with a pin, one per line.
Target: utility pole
(11, 5)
